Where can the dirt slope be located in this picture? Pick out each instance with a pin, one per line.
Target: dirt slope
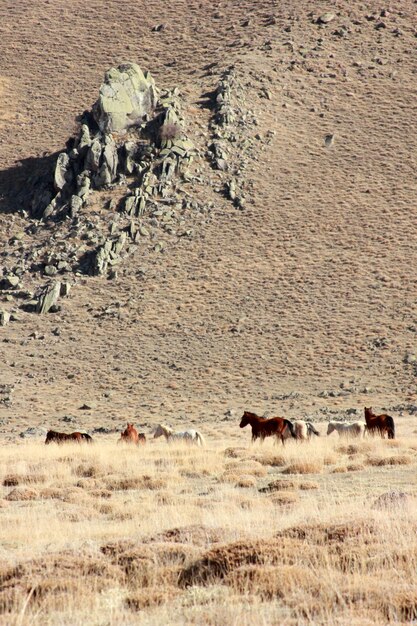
(311, 287)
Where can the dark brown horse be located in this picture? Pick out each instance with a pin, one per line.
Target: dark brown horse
(379, 423)
(131, 435)
(53, 437)
(262, 427)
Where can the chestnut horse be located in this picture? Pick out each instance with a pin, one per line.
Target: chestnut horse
(379, 423)
(53, 436)
(262, 427)
(131, 435)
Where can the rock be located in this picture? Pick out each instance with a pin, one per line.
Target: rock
(62, 173)
(12, 280)
(33, 431)
(85, 139)
(76, 204)
(92, 161)
(126, 97)
(70, 419)
(326, 18)
(88, 406)
(50, 270)
(4, 317)
(48, 297)
(65, 289)
(108, 168)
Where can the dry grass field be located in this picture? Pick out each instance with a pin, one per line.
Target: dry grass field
(310, 533)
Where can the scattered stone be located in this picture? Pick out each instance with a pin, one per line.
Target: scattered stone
(88, 406)
(48, 297)
(33, 431)
(4, 317)
(326, 18)
(50, 270)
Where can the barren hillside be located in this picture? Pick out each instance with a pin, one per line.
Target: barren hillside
(301, 302)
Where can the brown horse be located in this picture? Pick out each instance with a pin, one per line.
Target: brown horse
(262, 427)
(53, 437)
(379, 423)
(131, 435)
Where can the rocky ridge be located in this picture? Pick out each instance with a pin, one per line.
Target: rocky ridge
(133, 143)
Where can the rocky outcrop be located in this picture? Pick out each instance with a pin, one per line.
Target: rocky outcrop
(127, 99)
(127, 96)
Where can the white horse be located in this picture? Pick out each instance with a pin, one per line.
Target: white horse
(356, 429)
(190, 436)
(303, 430)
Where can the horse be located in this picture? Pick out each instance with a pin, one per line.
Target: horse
(311, 430)
(131, 435)
(189, 436)
(303, 430)
(262, 427)
(77, 437)
(356, 429)
(379, 423)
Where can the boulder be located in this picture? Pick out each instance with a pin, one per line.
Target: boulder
(126, 97)
(48, 297)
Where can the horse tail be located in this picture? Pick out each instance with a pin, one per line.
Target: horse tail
(290, 427)
(200, 439)
(390, 427)
(312, 429)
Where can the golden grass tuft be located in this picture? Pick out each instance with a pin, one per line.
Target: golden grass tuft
(304, 467)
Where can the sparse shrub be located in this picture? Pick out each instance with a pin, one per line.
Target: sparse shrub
(287, 498)
(355, 467)
(304, 467)
(22, 493)
(379, 461)
(308, 486)
(245, 482)
(278, 485)
(169, 132)
(11, 480)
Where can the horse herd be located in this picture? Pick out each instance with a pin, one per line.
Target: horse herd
(278, 427)
(283, 429)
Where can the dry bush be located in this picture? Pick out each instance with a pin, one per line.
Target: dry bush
(150, 597)
(135, 482)
(355, 467)
(379, 461)
(22, 493)
(340, 469)
(304, 467)
(245, 482)
(308, 486)
(169, 131)
(236, 453)
(269, 458)
(219, 563)
(195, 534)
(278, 485)
(286, 499)
(248, 467)
(12, 480)
(272, 581)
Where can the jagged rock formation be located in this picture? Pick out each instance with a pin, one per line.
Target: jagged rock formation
(127, 97)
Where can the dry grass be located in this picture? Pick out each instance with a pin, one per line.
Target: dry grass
(175, 533)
